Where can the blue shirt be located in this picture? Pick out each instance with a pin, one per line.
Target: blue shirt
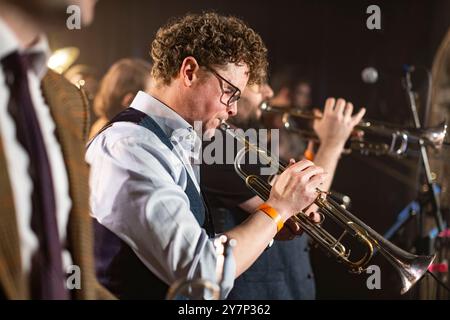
(138, 192)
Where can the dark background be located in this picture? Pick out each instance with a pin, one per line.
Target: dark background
(327, 41)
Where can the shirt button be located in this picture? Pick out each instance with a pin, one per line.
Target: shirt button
(309, 276)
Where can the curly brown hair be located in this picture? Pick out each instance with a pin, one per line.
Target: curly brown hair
(212, 39)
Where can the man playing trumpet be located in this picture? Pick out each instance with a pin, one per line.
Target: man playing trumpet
(152, 227)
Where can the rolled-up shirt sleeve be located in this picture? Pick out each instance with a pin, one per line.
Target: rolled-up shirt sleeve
(137, 191)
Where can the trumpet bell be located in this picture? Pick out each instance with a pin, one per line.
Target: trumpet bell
(436, 136)
(412, 268)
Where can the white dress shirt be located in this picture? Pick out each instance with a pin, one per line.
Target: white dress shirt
(137, 191)
(17, 158)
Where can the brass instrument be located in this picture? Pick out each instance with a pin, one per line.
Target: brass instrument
(63, 58)
(410, 267)
(386, 139)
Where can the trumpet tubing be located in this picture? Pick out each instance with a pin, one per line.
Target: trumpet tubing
(409, 266)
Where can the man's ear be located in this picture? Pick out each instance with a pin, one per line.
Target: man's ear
(189, 71)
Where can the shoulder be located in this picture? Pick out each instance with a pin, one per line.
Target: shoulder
(127, 133)
(133, 152)
(66, 102)
(125, 141)
(97, 126)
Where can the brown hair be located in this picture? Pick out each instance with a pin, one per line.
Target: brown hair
(123, 77)
(211, 39)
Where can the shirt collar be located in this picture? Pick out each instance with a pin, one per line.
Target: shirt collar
(174, 126)
(39, 52)
(164, 116)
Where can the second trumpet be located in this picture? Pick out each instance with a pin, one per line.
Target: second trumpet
(368, 137)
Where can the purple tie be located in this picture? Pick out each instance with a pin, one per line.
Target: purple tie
(47, 280)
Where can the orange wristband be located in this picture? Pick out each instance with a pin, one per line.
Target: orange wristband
(309, 155)
(309, 152)
(272, 213)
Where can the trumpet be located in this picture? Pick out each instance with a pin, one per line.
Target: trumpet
(409, 266)
(376, 138)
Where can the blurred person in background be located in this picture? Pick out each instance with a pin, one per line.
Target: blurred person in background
(300, 94)
(117, 89)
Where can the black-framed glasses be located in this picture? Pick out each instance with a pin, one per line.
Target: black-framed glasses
(232, 92)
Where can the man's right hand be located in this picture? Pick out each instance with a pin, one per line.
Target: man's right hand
(295, 188)
(336, 123)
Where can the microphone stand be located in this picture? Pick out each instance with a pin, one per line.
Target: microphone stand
(428, 194)
(430, 189)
